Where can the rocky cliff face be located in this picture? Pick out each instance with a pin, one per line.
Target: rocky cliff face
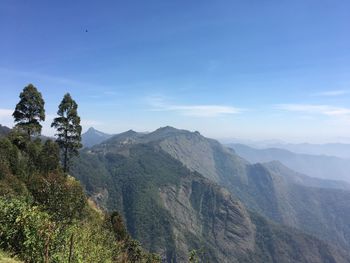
(272, 191)
(173, 210)
(206, 214)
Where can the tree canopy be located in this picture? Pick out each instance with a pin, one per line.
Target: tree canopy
(29, 111)
(68, 129)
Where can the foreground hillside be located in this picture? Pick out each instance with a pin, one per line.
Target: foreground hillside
(46, 217)
(173, 210)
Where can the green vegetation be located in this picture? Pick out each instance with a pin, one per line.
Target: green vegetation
(68, 129)
(133, 185)
(44, 213)
(193, 258)
(30, 111)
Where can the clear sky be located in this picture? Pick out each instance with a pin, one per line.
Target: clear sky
(249, 69)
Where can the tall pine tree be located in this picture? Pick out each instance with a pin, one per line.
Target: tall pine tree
(29, 111)
(68, 129)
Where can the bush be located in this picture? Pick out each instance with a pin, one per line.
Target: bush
(25, 230)
(8, 156)
(61, 196)
(32, 235)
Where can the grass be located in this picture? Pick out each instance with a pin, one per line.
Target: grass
(5, 258)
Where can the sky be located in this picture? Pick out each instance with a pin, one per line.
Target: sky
(248, 69)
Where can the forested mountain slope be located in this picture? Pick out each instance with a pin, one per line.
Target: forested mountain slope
(270, 190)
(173, 210)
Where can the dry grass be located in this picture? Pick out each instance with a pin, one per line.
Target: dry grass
(5, 258)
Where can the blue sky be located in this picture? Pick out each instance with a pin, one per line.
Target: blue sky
(229, 69)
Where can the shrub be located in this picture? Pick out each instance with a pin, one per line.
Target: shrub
(26, 230)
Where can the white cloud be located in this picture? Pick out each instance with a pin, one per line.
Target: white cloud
(315, 109)
(332, 93)
(206, 110)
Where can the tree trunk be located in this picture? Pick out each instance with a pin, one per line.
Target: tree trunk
(28, 133)
(65, 168)
(47, 250)
(65, 165)
(70, 249)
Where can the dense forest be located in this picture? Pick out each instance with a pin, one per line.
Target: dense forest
(45, 215)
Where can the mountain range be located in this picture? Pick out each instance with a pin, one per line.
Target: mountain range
(178, 191)
(341, 150)
(320, 166)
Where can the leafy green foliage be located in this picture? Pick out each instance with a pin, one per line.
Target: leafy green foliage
(68, 129)
(62, 197)
(8, 156)
(35, 237)
(193, 257)
(118, 226)
(45, 216)
(49, 157)
(29, 111)
(25, 230)
(91, 242)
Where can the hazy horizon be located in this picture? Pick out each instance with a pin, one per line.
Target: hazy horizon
(228, 69)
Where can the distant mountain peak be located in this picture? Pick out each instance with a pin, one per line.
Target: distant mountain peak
(130, 132)
(92, 137)
(92, 130)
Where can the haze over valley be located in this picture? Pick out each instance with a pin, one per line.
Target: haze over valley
(175, 131)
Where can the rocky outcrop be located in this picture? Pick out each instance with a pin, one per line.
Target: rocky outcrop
(204, 213)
